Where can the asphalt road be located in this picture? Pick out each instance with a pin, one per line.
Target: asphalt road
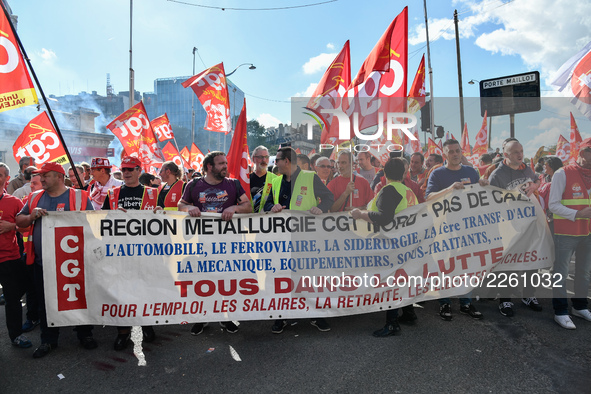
(526, 353)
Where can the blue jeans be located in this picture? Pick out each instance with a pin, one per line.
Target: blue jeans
(463, 301)
(564, 247)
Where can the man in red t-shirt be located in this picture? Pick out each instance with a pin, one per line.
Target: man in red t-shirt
(13, 273)
(349, 193)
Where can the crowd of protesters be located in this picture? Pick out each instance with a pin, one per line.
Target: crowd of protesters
(318, 184)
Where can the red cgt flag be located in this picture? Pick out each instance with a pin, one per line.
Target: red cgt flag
(481, 143)
(238, 153)
(417, 93)
(575, 140)
(329, 93)
(40, 141)
(383, 74)
(16, 87)
(196, 158)
(135, 133)
(563, 149)
(171, 153)
(465, 143)
(162, 129)
(212, 91)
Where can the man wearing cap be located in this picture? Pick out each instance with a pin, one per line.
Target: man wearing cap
(570, 202)
(260, 179)
(131, 195)
(103, 181)
(55, 196)
(19, 180)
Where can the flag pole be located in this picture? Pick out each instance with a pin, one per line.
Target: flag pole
(57, 129)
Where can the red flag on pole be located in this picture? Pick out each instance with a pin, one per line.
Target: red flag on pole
(186, 156)
(311, 152)
(170, 153)
(563, 149)
(212, 91)
(196, 158)
(383, 74)
(162, 129)
(432, 147)
(465, 143)
(298, 151)
(481, 141)
(574, 76)
(416, 95)
(16, 87)
(40, 141)
(238, 153)
(329, 93)
(135, 133)
(575, 140)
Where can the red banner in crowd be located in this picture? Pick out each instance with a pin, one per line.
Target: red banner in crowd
(162, 129)
(481, 142)
(416, 95)
(186, 156)
(135, 133)
(212, 91)
(432, 147)
(239, 153)
(196, 158)
(575, 140)
(16, 87)
(40, 141)
(171, 153)
(563, 149)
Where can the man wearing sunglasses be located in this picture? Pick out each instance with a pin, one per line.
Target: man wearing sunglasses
(260, 179)
(131, 195)
(298, 190)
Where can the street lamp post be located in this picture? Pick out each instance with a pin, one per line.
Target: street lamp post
(472, 82)
(193, 103)
(251, 67)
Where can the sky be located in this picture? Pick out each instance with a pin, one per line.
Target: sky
(73, 44)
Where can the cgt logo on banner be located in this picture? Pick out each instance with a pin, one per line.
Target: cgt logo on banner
(69, 259)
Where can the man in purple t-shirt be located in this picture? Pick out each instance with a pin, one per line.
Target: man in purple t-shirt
(215, 193)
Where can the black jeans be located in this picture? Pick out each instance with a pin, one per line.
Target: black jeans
(13, 277)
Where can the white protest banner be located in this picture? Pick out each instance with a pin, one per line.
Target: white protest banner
(141, 268)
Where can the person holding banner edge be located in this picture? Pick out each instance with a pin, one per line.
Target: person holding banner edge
(55, 196)
(390, 200)
(135, 196)
(453, 175)
(260, 179)
(308, 190)
(215, 193)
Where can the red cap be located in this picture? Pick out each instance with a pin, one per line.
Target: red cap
(585, 144)
(130, 162)
(100, 162)
(45, 168)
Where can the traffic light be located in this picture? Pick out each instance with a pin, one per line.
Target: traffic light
(426, 117)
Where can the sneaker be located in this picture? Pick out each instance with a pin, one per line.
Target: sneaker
(44, 350)
(321, 325)
(408, 317)
(121, 341)
(390, 329)
(445, 312)
(278, 326)
(229, 326)
(506, 309)
(471, 311)
(533, 303)
(22, 342)
(198, 328)
(565, 321)
(30, 325)
(582, 313)
(88, 343)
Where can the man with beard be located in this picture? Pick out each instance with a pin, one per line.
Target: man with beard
(218, 194)
(260, 179)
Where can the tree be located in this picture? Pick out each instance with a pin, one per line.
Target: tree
(256, 133)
